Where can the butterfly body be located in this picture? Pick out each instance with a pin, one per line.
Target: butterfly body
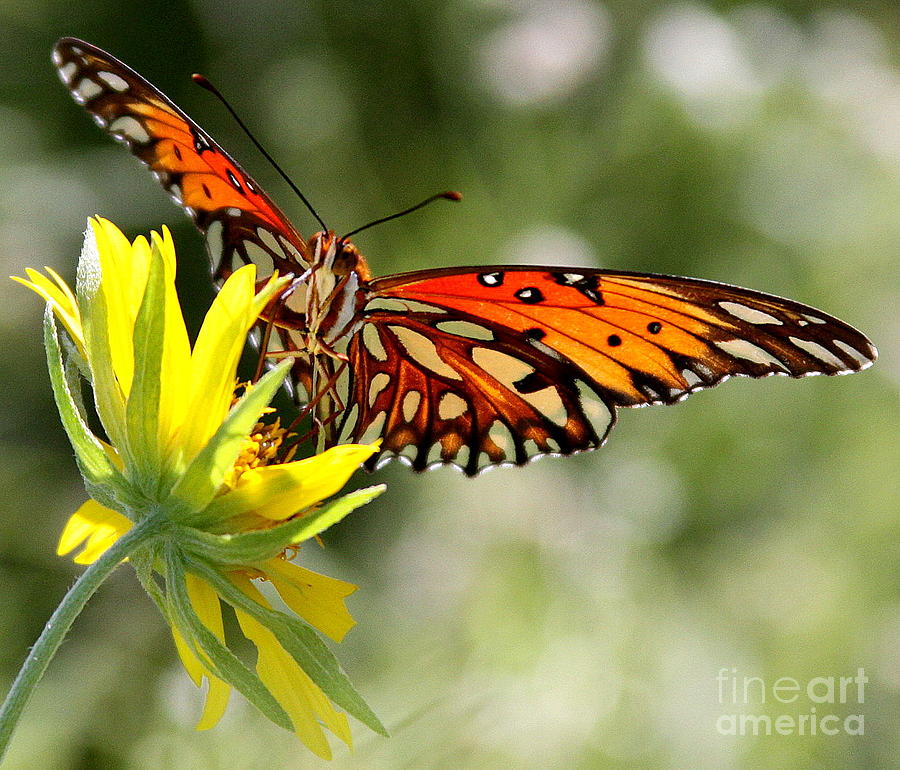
(470, 366)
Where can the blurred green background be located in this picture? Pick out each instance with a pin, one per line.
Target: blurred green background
(575, 613)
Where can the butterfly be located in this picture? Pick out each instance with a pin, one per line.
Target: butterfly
(471, 366)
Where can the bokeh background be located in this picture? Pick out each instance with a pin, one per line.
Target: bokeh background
(577, 612)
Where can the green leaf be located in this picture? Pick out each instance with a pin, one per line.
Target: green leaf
(301, 642)
(93, 462)
(213, 652)
(203, 477)
(142, 409)
(251, 547)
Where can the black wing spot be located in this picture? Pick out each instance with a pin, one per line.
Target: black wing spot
(177, 151)
(234, 180)
(531, 383)
(201, 143)
(206, 191)
(530, 295)
(654, 327)
(614, 340)
(588, 285)
(491, 279)
(535, 333)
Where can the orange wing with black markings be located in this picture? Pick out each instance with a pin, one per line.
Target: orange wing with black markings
(241, 223)
(483, 366)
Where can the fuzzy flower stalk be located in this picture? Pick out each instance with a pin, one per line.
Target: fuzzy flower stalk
(186, 486)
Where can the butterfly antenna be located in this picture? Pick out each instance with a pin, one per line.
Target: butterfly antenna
(201, 81)
(450, 195)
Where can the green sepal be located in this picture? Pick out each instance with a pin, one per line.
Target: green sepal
(93, 462)
(300, 641)
(256, 546)
(203, 477)
(211, 650)
(142, 408)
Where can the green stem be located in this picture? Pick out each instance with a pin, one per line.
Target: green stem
(58, 626)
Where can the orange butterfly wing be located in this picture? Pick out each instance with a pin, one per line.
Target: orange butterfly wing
(240, 222)
(483, 366)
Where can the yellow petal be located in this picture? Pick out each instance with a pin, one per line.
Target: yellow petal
(176, 361)
(215, 358)
(279, 491)
(318, 599)
(61, 300)
(97, 524)
(304, 702)
(121, 280)
(205, 602)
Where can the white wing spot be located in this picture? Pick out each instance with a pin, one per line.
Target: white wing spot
(129, 128)
(749, 314)
(532, 448)
(268, 240)
(411, 402)
(291, 250)
(435, 453)
(451, 406)
(114, 81)
(466, 329)
(374, 430)
(349, 425)
(379, 382)
(423, 351)
(233, 211)
(690, 376)
(67, 70)
(258, 256)
(813, 319)
(748, 351)
(86, 90)
(595, 409)
(214, 241)
(501, 435)
(372, 341)
(387, 303)
(462, 456)
(504, 368)
(855, 354)
(817, 351)
(549, 404)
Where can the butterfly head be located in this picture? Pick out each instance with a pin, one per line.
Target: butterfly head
(338, 255)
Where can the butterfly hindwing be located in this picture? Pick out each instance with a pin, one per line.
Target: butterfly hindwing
(440, 389)
(240, 222)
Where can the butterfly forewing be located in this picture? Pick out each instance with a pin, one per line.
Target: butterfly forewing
(241, 223)
(644, 338)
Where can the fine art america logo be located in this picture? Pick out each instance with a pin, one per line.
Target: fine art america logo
(822, 705)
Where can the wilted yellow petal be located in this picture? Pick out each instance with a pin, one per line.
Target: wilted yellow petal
(279, 491)
(298, 695)
(97, 524)
(318, 599)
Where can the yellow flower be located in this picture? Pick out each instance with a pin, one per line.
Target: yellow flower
(192, 465)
